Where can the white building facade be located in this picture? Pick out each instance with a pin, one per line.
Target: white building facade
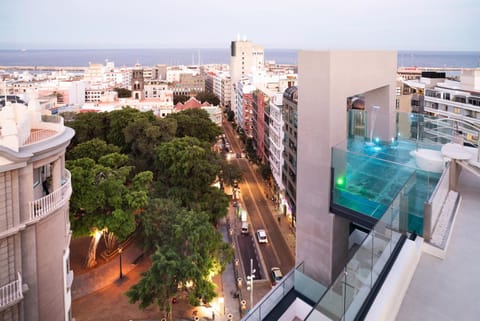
(35, 189)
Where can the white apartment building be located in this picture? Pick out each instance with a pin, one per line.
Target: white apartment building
(222, 87)
(450, 100)
(245, 58)
(108, 75)
(275, 139)
(97, 94)
(158, 89)
(174, 72)
(35, 188)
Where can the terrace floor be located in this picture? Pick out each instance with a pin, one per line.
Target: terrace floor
(448, 290)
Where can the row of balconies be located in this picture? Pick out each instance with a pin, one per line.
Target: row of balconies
(12, 293)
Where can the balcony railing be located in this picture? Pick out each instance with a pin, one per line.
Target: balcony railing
(37, 135)
(50, 126)
(11, 293)
(53, 201)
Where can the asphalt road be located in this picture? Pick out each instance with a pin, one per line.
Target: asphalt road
(276, 251)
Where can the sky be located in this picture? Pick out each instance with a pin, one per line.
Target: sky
(293, 24)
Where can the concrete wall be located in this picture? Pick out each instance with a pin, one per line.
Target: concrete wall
(326, 79)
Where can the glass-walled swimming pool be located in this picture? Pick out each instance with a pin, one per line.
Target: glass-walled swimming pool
(368, 174)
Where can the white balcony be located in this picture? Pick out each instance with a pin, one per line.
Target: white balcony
(11, 293)
(46, 205)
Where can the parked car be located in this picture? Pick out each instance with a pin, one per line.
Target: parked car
(244, 227)
(262, 236)
(276, 275)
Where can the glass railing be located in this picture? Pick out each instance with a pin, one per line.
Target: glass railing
(349, 291)
(295, 279)
(423, 130)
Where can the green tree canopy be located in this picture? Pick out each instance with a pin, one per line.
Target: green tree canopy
(177, 98)
(123, 92)
(103, 200)
(186, 163)
(143, 135)
(94, 149)
(189, 253)
(88, 126)
(214, 202)
(119, 120)
(208, 97)
(196, 122)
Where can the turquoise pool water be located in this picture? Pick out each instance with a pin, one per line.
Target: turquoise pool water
(372, 177)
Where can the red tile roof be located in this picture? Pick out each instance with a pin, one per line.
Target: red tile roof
(190, 103)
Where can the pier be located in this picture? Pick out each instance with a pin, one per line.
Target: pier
(44, 68)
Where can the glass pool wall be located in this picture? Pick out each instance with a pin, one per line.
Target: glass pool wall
(368, 177)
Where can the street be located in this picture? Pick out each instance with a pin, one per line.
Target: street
(261, 215)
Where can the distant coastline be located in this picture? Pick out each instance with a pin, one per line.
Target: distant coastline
(150, 57)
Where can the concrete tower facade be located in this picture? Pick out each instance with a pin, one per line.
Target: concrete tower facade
(326, 79)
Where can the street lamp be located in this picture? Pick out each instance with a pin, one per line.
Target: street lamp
(120, 252)
(250, 282)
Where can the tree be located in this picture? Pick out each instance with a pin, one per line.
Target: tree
(119, 120)
(186, 166)
(214, 202)
(251, 154)
(208, 97)
(103, 201)
(92, 149)
(230, 115)
(230, 172)
(88, 126)
(178, 98)
(189, 252)
(143, 135)
(196, 122)
(265, 171)
(123, 92)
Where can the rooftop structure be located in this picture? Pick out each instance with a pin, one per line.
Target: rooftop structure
(374, 195)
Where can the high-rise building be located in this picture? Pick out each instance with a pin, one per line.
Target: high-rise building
(35, 189)
(290, 132)
(245, 59)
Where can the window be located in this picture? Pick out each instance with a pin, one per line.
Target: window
(37, 176)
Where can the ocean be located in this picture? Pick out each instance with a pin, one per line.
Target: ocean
(150, 57)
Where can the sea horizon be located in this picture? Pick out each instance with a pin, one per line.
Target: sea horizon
(128, 57)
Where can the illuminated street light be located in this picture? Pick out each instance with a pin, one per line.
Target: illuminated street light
(120, 252)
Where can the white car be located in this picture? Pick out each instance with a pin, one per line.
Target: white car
(262, 236)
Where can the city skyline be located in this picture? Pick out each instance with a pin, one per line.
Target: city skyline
(367, 25)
